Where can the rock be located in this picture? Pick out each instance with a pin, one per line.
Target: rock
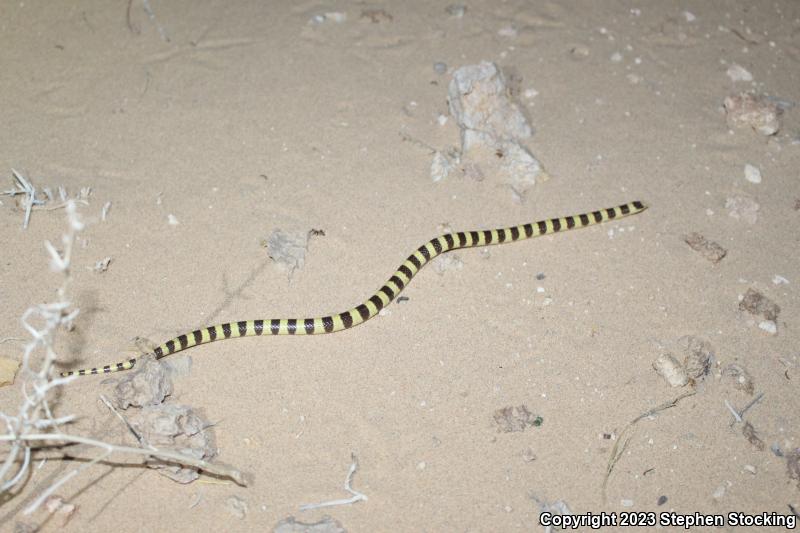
(671, 370)
(742, 208)
(479, 101)
(288, 249)
(492, 125)
(698, 354)
(752, 174)
(756, 303)
(236, 507)
(8, 369)
(515, 418)
(748, 110)
(739, 377)
(148, 384)
(179, 428)
(708, 249)
(739, 73)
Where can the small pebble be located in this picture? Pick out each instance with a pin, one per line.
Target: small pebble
(507, 31)
(661, 500)
(439, 67)
(8, 369)
(579, 51)
(769, 326)
(750, 468)
(456, 10)
(742, 208)
(336, 16)
(776, 449)
(671, 370)
(752, 174)
(626, 503)
(333, 16)
(739, 73)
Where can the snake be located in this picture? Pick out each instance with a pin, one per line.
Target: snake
(383, 296)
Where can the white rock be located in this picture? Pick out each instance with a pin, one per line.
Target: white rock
(492, 126)
(456, 10)
(478, 100)
(336, 16)
(769, 326)
(671, 370)
(742, 208)
(777, 279)
(507, 31)
(440, 167)
(739, 73)
(752, 173)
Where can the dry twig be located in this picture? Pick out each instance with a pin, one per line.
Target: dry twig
(617, 450)
(35, 426)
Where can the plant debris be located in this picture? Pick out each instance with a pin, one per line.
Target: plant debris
(752, 436)
(292, 525)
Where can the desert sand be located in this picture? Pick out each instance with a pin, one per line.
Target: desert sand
(202, 128)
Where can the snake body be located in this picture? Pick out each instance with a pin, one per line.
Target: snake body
(383, 296)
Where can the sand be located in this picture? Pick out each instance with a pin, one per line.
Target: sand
(209, 125)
